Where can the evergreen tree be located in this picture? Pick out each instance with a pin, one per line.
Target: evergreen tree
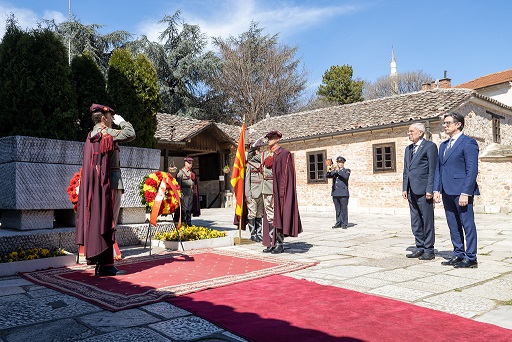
(133, 91)
(37, 96)
(337, 86)
(90, 88)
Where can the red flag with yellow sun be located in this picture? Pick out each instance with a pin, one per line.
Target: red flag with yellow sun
(238, 175)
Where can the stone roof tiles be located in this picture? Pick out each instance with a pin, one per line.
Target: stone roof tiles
(370, 114)
(488, 80)
(366, 114)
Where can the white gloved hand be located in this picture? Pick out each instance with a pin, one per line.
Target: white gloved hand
(117, 119)
(258, 142)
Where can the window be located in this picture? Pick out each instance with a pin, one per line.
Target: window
(384, 158)
(496, 127)
(316, 167)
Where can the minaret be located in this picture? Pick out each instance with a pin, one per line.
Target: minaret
(393, 77)
(392, 64)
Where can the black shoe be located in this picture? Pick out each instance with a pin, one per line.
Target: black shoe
(416, 254)
(427, 256)
(467, 264)
(452, 261)
(343, 227)
(278, 249)
(97, 270)
(336, 226)
(109, 271)
(268, 249)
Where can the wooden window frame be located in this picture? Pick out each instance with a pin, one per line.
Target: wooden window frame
(388, 156)
(496, 126)
(322, 179)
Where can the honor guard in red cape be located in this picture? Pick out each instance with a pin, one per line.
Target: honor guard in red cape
(281, 207)
(101, 187)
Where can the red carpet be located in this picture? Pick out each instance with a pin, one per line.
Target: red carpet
(153, 278)
(280, 308)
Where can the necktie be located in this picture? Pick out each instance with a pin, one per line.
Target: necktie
(414, 148)
(448, 147)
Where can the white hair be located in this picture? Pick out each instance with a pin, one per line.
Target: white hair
(419, 126)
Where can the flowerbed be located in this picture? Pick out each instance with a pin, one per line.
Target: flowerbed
(190, 233)
(30, 254)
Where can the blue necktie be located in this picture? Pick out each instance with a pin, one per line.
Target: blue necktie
(448, 147)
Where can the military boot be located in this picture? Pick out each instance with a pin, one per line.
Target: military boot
(258, 227)
(252, 228)
(271, 230)
(279, 243)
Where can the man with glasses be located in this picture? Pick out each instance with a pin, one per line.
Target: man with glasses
(455, 180)
(420, 161)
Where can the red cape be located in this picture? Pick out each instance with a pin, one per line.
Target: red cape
(94, 225)
(286, 210)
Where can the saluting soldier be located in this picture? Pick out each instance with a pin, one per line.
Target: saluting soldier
(186, 179)
(101, 187)
(253, 192)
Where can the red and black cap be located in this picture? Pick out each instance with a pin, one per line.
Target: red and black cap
(274, 134)
(101, 108)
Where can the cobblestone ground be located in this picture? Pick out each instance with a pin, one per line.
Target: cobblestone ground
(368, 257)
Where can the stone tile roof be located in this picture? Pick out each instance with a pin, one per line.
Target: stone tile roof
(488, 80)
(175, 128)
(366, 114)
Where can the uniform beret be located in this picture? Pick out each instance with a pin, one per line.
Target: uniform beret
(101, 108)
(274, 134)
(188, 159)
(340, 159)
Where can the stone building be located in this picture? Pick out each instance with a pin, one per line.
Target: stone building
(208, 143)
(372, 136)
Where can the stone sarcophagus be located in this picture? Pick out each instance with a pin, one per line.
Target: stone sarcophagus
(35, 174)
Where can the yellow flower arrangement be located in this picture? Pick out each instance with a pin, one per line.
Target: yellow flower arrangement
(34, 253)
(149, 188)
(190, 233)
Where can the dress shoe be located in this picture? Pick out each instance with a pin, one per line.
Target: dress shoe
(108, 271)
(452, 261)
(336, 226)
(278, 249)
(466, 264)
(343, 227)
(427, 256)
(268, 249)
(416, 254)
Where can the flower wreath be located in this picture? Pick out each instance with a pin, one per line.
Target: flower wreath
(74, 187)
(149, 187)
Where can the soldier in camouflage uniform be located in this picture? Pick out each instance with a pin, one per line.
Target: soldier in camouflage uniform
(253, 193)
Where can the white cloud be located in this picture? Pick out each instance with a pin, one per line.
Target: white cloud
(231, 18)
(25, 18)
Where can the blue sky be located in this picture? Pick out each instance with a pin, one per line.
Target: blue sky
(467, 38)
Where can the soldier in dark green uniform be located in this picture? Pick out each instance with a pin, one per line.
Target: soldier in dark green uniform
(185, 179)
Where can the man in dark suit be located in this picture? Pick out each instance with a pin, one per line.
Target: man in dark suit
(339, 191)
(420, 161)
(455, 180)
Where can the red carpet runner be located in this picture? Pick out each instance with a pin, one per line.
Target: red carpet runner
(281, 308)
(153, 278)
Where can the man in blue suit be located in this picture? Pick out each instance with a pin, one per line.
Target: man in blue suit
(455, 180)
(420, 162)
(339, 191)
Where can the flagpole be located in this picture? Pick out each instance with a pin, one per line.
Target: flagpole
(243, 187)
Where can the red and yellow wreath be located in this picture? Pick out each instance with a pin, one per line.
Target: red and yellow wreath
(149, 188)
(73, 188)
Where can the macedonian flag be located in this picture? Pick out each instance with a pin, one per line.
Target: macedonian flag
(238, 175)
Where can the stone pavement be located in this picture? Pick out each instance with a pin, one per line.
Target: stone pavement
(368, 257)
